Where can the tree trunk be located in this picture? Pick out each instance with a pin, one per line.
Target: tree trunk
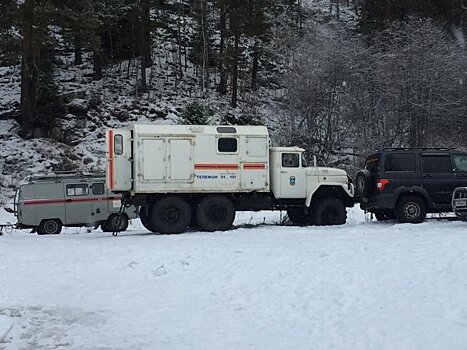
(97, 60)
(28, 71)
(222, 87)
(235, 71)
(255, 68)
(146, 33)
(78, 56)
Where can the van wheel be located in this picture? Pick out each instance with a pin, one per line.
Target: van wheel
(329, 211)
(411, 209)
(170, 215)
(215, 213)
(298, 217)
(145, 220)
(115, 223)
(49, 227)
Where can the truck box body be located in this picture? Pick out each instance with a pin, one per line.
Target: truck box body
(179, 158)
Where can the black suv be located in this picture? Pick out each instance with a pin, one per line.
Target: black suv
(407, 183)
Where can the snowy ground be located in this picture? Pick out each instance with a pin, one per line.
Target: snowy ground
(364, 285)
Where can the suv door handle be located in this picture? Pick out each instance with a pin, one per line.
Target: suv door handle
(427, 175)
(462, 175)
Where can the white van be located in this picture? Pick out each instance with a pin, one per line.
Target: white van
(48, 202)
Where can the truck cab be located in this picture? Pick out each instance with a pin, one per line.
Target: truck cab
(291, 178)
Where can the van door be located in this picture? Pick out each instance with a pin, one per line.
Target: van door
(99, 202)
(293, 176)
(78, 204)
(119, 160)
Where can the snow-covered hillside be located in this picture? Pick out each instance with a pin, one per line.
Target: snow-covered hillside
(363, 285)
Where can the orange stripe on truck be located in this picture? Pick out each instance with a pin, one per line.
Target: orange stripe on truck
(254, 166)
(216, 166)
(111, 160)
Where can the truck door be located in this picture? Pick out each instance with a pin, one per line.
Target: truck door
(180, 160)
(119, 160)
(292, 177)
(78, 203)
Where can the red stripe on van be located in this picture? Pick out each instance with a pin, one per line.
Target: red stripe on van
(68, 200)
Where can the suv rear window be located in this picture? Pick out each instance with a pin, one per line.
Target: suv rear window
(436, 164)
(371, 165)
(399, 162)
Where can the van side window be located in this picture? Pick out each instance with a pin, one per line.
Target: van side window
(77, 190)
(290, 160)
(227, 144)
(98, 188)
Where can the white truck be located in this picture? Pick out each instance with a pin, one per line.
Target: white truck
(200, 175)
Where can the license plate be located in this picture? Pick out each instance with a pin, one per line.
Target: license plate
(460, 203)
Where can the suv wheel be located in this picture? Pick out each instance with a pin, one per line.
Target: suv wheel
(411, 209)
(363, 182)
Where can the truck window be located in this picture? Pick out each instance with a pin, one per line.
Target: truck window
(98, 188)
(118, 144)
(290, 160)
(227, 144)
(77, 190)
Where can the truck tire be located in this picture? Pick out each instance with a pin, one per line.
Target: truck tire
(145, 221)
(115, 223)
(215, 213)
(329, 211)
(363, 183)
(49, 227)
(170, 215)
(411, 209)
(298, 217)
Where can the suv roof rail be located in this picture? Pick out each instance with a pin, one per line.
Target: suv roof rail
(418, 148)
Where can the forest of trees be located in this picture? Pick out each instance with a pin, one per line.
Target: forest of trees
(366, 74)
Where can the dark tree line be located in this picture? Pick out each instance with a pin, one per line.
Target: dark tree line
(218, 37)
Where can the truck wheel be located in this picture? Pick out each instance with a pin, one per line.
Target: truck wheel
(298, 217)
(145, 221)
(215, 213)
(329, 211)
(115, 223)
(411, 209)
(170, 215)
(49, 227)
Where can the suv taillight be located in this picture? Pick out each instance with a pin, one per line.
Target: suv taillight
(381, 184)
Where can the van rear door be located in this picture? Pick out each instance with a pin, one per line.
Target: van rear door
(119, 160)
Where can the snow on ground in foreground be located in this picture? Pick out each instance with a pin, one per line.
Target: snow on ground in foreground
(363, 285)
